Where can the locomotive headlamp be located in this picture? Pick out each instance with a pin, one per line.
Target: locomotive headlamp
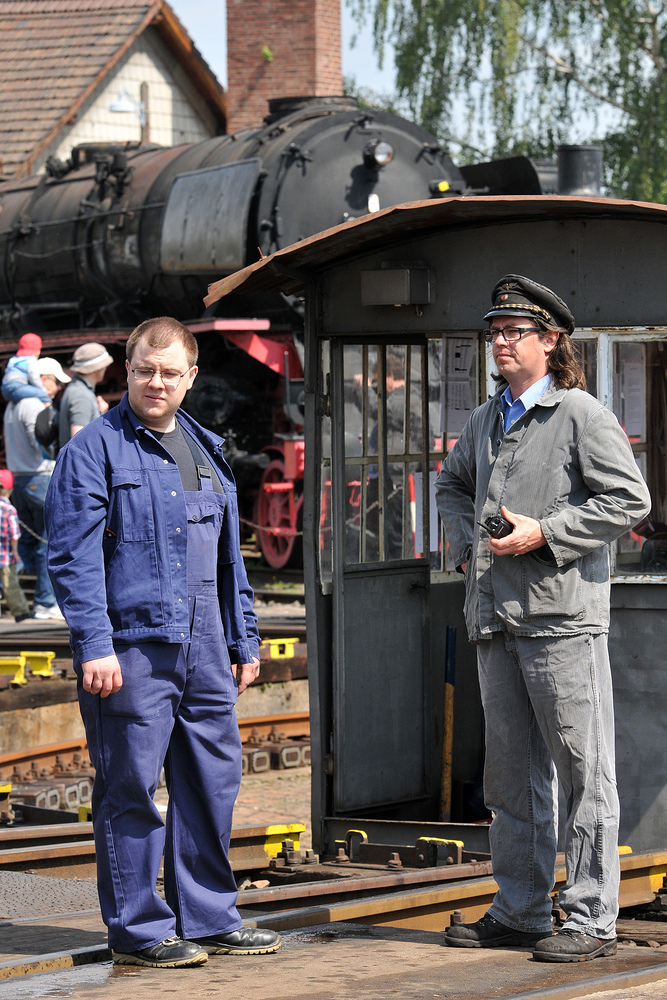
(378, 153)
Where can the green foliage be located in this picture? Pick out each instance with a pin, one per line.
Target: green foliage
(513, 76)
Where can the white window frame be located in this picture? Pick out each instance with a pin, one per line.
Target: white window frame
(606, 338)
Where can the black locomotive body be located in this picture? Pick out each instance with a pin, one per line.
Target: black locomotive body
(120, 233)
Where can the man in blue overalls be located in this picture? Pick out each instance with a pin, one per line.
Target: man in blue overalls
(145, 561)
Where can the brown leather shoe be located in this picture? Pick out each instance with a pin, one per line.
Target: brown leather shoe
(573, 946)
(487, 932)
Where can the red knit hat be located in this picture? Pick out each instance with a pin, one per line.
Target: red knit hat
(6, 479)
(28, 344)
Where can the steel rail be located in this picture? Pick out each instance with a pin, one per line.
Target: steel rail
(41, 754)
(289, 724)
(432, 907)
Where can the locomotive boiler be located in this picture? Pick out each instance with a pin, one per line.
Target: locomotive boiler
(117, 233)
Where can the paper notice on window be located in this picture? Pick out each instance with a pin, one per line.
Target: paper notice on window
(419, 514)
(633, 400)
(459, 354)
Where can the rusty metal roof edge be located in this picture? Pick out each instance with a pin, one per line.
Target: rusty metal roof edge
(293, 265)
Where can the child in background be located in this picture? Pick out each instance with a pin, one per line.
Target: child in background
(21, 378)
(10, 562)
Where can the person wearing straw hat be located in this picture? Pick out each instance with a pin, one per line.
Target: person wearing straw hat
(80, 405)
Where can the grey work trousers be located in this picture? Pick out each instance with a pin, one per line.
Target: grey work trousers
(549, 701)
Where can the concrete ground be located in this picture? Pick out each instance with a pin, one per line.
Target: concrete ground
(353, 962)
(330, 962)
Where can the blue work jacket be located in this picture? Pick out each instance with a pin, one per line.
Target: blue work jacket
(116, 522)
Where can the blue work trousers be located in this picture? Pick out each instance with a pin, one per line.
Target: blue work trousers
(548, 708)
(176, 707)
(28, 494)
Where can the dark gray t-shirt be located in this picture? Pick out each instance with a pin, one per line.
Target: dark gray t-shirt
(177, 446)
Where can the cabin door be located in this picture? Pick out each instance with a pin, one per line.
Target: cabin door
(381, 523)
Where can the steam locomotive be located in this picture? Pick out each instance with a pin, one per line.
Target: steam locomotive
(118, 233)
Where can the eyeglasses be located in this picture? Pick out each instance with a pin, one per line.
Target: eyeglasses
(510, 333)
(169, 378)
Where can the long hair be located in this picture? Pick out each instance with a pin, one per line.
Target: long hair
(564, 362)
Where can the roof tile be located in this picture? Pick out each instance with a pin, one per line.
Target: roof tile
(39, 79)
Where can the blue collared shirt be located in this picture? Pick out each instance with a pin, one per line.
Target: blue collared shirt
(513, 409)
(116, 521)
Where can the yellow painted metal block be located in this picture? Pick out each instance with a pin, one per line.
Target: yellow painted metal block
(39, 661)
(282, 831)
(280, 648)
(14, 665)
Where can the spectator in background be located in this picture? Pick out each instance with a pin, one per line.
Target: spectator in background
(32, 469)
(10, 562)
(21, 378)
(79, 405)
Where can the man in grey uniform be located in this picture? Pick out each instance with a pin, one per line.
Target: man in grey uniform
(553, 462)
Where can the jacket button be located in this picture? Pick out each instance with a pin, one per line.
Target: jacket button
(178, 531)
(180, 600)
(182, 635)
(166, 461)
(498, 443)
(195, 517)
(173, 493)
(178, 565)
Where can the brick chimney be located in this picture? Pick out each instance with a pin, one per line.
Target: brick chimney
(280, 48)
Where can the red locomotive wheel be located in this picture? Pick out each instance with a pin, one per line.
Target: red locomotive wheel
(278, 514)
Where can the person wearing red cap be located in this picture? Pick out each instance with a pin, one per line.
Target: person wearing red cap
(21, 378)
(9, 553)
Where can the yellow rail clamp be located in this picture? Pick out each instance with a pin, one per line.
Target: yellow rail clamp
(280, 648)
(275, 835)
(449, 851)
(85, 814)
(5, 790)
(14, 665)
(39, 662)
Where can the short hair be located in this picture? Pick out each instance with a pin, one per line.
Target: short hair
(162, 332)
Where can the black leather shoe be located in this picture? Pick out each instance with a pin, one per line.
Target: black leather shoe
(173, 953)
(488, 932)
(573, 946)
(244, 941)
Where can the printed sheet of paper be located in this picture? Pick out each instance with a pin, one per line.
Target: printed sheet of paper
(458, 359)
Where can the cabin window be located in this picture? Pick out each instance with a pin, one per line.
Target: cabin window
(394, 429)
(627, 370)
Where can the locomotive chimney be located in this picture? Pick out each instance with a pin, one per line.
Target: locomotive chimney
(580, 170)
(278, 47)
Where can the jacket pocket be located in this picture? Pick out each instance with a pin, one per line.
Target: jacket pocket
(130, 509)
(551, 591)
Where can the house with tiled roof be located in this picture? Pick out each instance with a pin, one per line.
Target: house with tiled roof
(85, 71)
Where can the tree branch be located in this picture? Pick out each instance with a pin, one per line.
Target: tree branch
(563, 67)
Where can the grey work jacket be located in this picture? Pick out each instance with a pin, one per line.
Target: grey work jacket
(565, 462)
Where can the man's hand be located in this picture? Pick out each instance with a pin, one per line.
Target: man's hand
(527, 535)
(245, 673)
(102, 676)
(102, 404)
